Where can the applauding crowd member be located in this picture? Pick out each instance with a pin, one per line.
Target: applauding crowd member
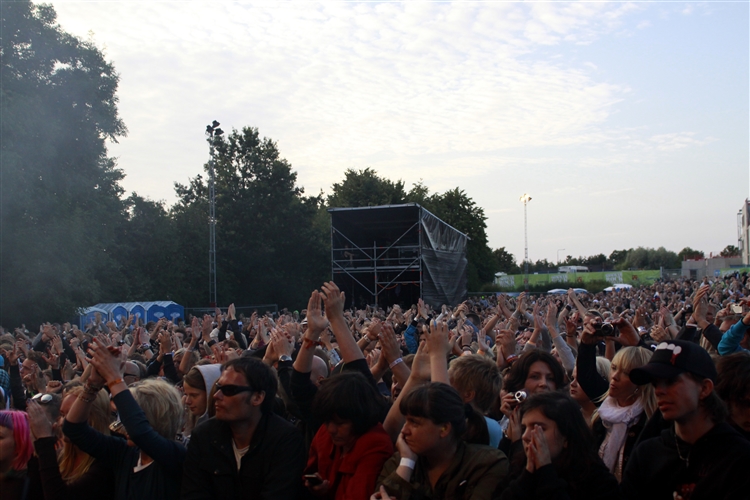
(463, 401)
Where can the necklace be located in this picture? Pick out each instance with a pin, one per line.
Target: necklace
(679, 454)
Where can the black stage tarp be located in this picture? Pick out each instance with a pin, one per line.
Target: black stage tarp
(396, 254)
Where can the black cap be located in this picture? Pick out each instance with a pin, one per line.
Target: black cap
(672, 358)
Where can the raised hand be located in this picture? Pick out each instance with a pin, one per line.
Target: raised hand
(537, 316)
(282, 342)
(15, 353)
(165, 342)
(506, 340)
(628, 334)
(316, 322)
(206, 328)
(550, 318)
(53, 360)
(700, 305)
(420, 366)
(422, 309)
(437, 340)
(53, 387)
(106, 360)
(334, 299)
(484, 346)
(39, 424)
(521, 303)
(389, 343)
(659, 334)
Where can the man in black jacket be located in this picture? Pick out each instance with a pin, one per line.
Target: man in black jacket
(700, 456)
(246, 451)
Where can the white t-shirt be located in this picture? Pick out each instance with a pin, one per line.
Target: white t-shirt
(239, 453)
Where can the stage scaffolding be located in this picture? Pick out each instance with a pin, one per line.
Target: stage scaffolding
(396, 254)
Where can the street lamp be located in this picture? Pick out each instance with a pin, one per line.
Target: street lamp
(212, 131)
(558, 255)
(525, 198)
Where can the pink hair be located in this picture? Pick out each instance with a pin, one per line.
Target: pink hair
(18, 422)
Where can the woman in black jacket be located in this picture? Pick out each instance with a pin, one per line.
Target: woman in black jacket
(561, 459)
(149, 464)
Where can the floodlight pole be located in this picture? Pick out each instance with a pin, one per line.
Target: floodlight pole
(212, 131)
(525, 198)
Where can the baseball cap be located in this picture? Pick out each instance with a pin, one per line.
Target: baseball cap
(672, 358)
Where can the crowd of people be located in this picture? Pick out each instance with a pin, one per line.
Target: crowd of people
(635, 393)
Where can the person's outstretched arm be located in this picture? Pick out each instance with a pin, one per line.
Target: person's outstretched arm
(334, 302)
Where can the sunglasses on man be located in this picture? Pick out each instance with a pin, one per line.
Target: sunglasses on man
(233, 390)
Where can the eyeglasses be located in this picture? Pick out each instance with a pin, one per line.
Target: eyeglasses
(233, 390)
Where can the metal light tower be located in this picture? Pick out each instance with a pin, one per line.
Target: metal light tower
(212, 131)
(558, 255)
(525, 198)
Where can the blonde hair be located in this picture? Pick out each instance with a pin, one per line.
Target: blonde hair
(99, 420)
(603, 366)
(162, 404)
(629, 358)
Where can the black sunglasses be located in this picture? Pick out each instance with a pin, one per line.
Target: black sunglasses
(233, 390)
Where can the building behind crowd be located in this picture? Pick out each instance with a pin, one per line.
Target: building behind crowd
(712, 267)
(743, 230)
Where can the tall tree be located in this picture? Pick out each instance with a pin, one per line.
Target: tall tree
(504, 261)
(730, 251)
(59, 193)
(649, 258)
(364, 188)
(270, 246)
(689, 253)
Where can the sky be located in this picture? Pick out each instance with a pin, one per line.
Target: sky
(626, 122)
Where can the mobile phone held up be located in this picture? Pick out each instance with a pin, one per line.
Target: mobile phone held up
(313, 479)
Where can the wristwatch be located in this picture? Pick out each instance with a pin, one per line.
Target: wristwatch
(285, 357)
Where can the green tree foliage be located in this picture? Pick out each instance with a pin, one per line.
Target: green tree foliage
(649, 258)
(147, 250)
(504, 261)
(617, 258)
(269, 241)
(364, 188)
(689, 253)
(730, 251)
(60, 197)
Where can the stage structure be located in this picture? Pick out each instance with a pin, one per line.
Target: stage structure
(396, 254)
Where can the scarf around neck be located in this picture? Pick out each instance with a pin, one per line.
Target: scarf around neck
(616, 419)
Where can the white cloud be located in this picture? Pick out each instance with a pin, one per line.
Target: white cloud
(481, 95)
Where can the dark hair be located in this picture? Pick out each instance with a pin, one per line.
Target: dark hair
(259, 376)
(441, 404)
(733, 381)
(713, 405)
(38, 359)
(349, 396)
(580, 452)
(516, 378)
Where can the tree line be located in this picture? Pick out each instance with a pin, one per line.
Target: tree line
(70, 236)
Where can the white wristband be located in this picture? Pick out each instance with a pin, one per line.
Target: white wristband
(407, 462)
(395, 362)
